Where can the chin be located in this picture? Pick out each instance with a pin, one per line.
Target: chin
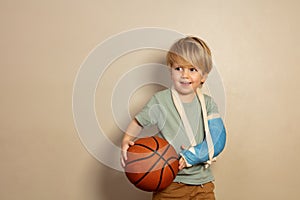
(186, 92)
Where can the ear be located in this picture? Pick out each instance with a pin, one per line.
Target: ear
(204, 77)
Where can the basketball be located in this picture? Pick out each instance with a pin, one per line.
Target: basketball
(152, 164)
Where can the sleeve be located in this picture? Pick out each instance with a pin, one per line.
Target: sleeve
(200, 153)
(152, 114)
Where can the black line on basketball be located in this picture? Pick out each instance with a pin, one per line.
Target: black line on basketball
(167, 162)
(160, 178)
(163, 169)
(144, 158)
(142, 145)
(154, 152)
(149, 170)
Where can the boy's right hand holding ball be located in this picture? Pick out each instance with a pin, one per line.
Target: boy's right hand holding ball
(125, 145)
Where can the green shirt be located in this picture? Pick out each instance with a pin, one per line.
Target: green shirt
(160, 111)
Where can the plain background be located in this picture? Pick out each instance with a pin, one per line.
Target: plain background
(43, 43)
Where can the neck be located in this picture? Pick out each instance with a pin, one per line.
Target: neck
(187, 98)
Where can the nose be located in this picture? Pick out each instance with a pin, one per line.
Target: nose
(185, 73)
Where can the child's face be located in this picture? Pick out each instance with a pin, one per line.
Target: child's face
(186, 79)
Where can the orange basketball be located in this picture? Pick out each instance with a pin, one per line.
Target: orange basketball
(152, 164)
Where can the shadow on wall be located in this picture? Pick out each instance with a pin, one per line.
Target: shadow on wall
(115, 186)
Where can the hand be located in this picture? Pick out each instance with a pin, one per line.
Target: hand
(182, 164)
(124, 148)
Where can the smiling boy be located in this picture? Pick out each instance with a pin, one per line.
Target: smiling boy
(181, 114)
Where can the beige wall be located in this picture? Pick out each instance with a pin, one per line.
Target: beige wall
(43, 43)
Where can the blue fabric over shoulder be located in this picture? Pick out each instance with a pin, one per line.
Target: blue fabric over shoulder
(199, 153)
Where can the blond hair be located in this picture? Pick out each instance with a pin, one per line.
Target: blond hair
(190, 51)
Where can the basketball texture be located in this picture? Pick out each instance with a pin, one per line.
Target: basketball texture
(152, 164)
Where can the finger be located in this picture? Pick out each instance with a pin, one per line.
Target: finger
(124, 151)
(183, 147)
(180, 164)
(124, 155)
(122, 162)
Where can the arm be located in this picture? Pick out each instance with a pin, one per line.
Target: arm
(199, 153)
(133, 130)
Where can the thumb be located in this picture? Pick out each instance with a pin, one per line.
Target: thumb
(131, 143)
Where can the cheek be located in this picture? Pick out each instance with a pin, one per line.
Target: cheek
(174, 75)
(173, 78)
(196, 78)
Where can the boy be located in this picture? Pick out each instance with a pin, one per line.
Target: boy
(183, 115)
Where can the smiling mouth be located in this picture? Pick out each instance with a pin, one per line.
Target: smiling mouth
(186, 83)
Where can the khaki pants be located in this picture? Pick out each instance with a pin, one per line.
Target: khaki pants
(186, 192)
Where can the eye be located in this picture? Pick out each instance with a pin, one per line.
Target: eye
(178, 68)
(193, 69)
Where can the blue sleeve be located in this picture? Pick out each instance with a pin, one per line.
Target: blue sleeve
(199, 153)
